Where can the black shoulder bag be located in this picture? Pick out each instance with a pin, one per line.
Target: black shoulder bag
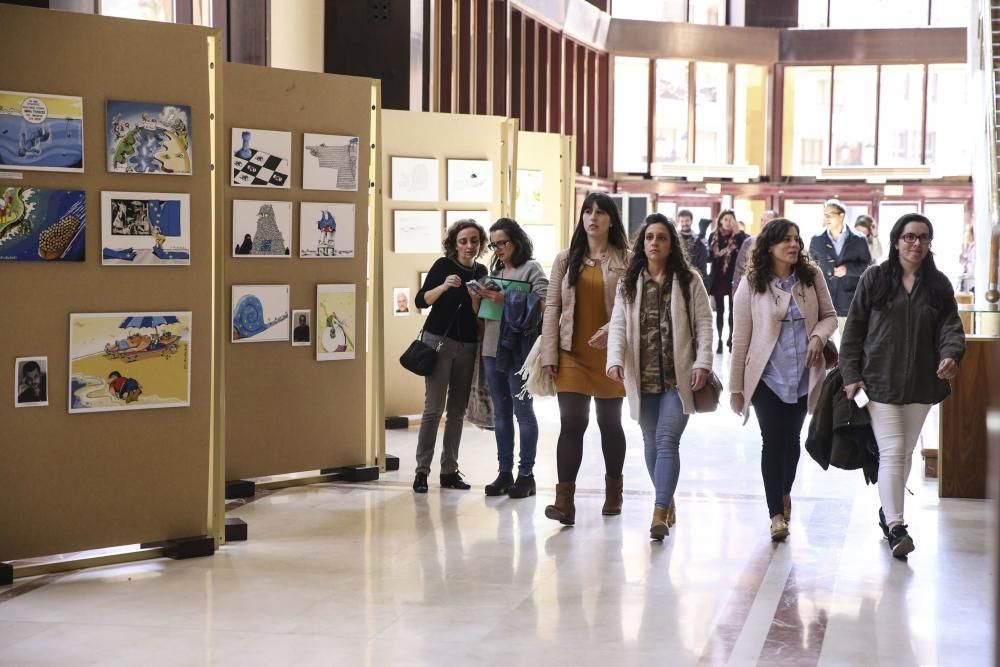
(419, 357)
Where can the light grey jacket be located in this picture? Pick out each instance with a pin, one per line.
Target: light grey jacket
(560, 302)
(624, 332)
(529, 272)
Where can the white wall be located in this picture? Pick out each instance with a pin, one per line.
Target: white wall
(297, 35)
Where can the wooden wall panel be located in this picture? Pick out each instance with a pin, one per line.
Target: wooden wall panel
(502, 44)
(464, 71)
(483, 44)
(543, 68)
(593, 111)
(580, 102)
(962, 459)
(285, 411)
(555, 83)
(569, 87)
(445, 69)
(516, 109)
(83, 481)
(530, 68)
(441, 136)
(603, 106)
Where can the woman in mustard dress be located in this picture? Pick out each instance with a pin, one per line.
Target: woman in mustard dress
(578, 307)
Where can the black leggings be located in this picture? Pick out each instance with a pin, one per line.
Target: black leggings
(780, 427)
(720, 305)
(574, 416)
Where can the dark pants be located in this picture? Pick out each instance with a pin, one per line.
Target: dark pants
(504, 388)
(447, 388)
(574, 416)
(720, 313)
(780, 426)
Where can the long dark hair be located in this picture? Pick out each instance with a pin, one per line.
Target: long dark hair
(889, 274)
(720, 232)
(677, 263)
(760, 269)
(523, 248)
(450, 243)
(617, 236)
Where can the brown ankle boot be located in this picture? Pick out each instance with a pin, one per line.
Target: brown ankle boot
(659, 529)
(563, 511)
(612, 495)
(672, 514)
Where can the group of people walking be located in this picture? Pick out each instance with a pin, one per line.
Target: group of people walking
(618, 322)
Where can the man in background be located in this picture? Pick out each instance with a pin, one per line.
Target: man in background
(697, 251)
(31, 388)
(741, 258)
(842, 256)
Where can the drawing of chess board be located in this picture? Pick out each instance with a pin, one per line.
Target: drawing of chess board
(261, 170)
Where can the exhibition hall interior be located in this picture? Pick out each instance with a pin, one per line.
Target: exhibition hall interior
(492, 332)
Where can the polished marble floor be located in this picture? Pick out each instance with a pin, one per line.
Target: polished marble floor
(370, 574)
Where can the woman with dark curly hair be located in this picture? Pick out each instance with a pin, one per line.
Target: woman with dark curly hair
(578, 305)
(783, 317)
(902, 343)
(660, 348)
(723, 248)
(451, 327)
(512, 260)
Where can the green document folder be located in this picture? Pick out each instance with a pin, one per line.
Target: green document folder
(494, 311)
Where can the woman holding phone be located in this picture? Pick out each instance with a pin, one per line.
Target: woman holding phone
(452, 324)
(578, 305)
(902, 343)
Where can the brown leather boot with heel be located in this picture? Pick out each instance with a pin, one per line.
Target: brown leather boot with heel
(563, 511)
(613, 487)
(658, 529)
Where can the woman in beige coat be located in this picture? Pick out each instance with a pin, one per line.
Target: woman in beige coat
(660, 347)
(783, 318)
(578, 304)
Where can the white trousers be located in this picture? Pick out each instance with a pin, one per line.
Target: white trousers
(897, 429)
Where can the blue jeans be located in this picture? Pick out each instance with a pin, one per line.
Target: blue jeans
(662, 420)
(504, 388)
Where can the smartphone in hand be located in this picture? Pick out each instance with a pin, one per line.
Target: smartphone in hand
(474, 286)
(861, 398)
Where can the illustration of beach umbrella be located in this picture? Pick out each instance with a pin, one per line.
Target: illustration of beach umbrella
(147, 322)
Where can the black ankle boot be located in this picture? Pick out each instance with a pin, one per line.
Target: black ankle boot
(420, 482)
(729, 343)
(453, 480)
(523, 487)
(499, 486)
(718, 350)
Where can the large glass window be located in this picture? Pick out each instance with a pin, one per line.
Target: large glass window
(806, 119)
(711, 113)
(750, 110)
(948, 120)
(854, 116)
(631, 126)
(901, 115)
(878, 13)
(649, 10)
(812, 13)
(953, 14)
(949, 222)
(708, 12)
(149, 10)
(670, 139)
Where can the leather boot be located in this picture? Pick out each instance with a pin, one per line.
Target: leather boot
(563, 511)
(672, 514)
(659, 529)
(612, 495)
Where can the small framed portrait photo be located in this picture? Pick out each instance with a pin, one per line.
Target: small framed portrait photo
(301, 327)
(31, 388)
(401, 301)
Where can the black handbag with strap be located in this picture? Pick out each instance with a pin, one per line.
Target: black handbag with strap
(421, 358)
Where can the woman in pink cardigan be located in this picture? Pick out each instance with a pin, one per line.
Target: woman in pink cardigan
(783, 318)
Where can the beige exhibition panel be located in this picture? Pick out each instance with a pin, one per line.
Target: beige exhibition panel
(81, 481)
(441, 136)
(285, 411)
(550, 154)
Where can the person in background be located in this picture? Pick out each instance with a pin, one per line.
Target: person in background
(512, 252)
(723, 246)
(902, 344)
(694, 246)
(784, 316)
(660, 347)
(741, 259)
(865, 227)
(841, 255)
(578, 306)
(452, 325)
(967, 258)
